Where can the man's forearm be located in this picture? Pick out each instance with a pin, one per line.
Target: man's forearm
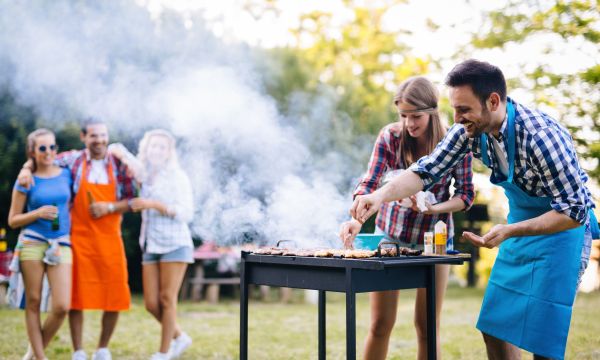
(547, 223)
(402, 186)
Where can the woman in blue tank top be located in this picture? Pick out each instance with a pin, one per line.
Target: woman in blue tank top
(42, 211)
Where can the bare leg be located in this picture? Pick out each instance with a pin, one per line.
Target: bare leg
(171, 276)
(441, 282)
(109, 322)
(33, 275)
(151, 280)
(384, 306)
(500, 350)
(76, 327)
(59, 277)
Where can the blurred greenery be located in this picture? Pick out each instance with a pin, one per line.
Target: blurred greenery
(576, 96)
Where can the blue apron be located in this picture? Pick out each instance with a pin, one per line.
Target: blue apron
(530, 294)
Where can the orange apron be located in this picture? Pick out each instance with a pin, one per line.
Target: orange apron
(99, 262)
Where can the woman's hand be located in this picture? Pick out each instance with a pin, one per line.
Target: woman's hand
(46, 212)
(431, 209)
(348, 232)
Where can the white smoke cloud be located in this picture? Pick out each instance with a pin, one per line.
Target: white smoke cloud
(253, 172)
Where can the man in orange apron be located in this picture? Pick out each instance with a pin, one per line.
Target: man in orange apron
(102, 189)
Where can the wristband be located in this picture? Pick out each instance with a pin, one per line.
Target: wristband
(111, 208)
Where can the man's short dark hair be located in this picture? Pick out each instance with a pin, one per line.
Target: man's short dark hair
(483, 78)
(89, 121)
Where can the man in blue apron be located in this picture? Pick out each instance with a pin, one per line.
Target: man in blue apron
(545, 247)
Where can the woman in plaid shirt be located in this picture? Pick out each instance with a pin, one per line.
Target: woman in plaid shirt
(398, 145)
(166, 203)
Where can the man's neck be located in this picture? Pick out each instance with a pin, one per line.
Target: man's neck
(497, 120)
(92, 156)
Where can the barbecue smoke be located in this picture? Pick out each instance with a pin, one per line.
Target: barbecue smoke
(256, 174)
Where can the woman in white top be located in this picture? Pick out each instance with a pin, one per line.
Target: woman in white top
(166, 203)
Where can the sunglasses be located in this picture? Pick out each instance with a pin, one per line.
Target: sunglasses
(43, 148)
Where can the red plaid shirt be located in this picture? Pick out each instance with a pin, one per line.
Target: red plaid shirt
(401, 223)
(73, 159)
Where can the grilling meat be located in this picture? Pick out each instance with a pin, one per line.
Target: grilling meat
(339, 253)
(324, 252)
(391, 251)
(360, 254)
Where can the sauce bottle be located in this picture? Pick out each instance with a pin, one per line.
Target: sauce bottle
(441, 235)
(428, 242)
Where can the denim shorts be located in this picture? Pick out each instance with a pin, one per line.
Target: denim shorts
(184, 254)
(36, 250)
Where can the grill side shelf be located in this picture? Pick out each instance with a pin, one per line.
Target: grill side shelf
(425, 260)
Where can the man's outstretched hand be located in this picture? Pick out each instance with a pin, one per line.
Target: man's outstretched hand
(492, 239)
(364, 206)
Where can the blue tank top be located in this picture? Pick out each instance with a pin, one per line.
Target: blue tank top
(54, 190)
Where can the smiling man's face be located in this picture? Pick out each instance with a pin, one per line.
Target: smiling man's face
(469, 111)
(96, 140)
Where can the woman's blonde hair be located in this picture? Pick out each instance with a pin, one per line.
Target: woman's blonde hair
(30, 148)
(143, 147)
(419, 92)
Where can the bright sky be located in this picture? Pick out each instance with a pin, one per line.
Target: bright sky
(457, 19)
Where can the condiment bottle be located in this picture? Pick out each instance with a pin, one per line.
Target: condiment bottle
(441, 235)
(3, 244)
(428, 241)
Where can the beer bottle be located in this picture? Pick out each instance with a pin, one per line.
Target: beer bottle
(90, 197)
(55, 222)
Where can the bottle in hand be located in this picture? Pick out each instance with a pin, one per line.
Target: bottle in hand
(55, 222)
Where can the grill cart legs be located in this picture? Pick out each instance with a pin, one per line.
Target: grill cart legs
(243, 312)
(322, 326)
(431, 333)
(350, 317)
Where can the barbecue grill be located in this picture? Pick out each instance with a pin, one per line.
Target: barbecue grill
(350, 276)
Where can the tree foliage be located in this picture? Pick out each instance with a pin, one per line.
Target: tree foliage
(361, 60)
(575, 95)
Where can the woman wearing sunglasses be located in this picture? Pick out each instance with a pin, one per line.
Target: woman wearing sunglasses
(42, 211)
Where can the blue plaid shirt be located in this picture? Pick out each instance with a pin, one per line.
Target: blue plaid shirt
(546, 163)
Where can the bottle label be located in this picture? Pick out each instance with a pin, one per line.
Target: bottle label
(440, 239)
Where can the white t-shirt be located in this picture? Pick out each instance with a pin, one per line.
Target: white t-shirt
(502, 161)
(98, 173)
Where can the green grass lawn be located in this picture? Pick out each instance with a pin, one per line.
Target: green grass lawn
(289, 331)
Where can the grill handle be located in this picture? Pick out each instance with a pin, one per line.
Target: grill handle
(388, 242)
(290, 241)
